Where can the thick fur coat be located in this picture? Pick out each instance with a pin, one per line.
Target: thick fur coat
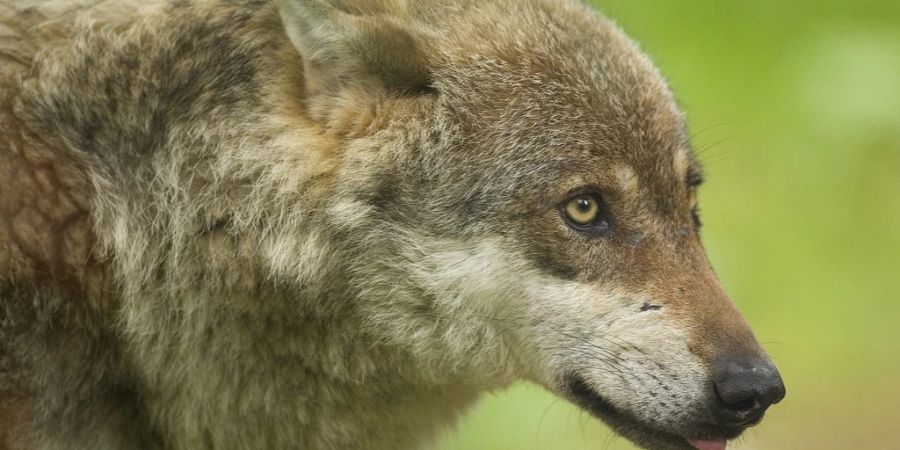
(241, 224)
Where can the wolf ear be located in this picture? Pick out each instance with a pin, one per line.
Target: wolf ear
(341, 50)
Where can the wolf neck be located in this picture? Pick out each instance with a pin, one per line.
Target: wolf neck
(235, 308)
(276, 377)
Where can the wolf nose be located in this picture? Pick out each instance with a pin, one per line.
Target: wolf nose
(746, 388)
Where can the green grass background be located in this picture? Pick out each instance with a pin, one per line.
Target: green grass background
(795, 107)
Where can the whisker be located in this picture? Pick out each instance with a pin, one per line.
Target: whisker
(544, 416)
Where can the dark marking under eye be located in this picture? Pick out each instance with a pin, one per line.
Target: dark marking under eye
(556, 268)
(650, 307)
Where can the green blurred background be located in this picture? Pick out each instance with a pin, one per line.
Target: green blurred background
(795, 107)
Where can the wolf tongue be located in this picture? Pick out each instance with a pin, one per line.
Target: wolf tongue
(702, 444)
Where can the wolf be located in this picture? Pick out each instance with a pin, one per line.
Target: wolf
(334, 224)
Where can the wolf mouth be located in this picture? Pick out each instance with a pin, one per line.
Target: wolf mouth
(637, 430)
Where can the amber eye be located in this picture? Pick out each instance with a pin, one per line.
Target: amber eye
(585, 212)
(582, 210)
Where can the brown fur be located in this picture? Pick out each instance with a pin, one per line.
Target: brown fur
(238, 224)
(13, 421)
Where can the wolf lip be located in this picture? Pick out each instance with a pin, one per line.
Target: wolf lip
(579, 391)
(708, 444)
(582, 394)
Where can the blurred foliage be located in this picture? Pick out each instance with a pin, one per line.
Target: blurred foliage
(795, 109)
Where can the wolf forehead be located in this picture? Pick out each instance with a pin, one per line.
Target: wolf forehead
(552, 86)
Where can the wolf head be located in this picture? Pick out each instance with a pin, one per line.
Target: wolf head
(518, 200)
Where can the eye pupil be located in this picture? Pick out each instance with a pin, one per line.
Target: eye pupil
(584, 204)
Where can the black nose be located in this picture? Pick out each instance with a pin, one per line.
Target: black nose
(746, 388)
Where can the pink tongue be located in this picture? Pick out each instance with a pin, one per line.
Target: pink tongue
(701, 444)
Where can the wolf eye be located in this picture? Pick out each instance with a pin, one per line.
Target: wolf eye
(585, 213)
(582, 210)
(695, 216)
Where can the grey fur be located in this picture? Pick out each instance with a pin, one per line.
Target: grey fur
(330, 227)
